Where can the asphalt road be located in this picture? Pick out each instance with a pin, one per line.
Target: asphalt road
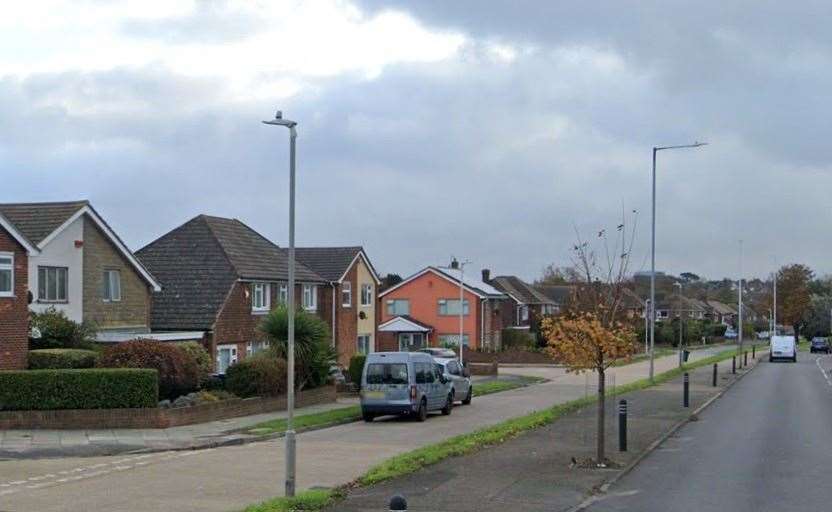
(766, 445)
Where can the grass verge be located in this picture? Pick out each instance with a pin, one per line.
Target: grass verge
(465, 444)
(496, 386)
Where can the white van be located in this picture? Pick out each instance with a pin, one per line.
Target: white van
(783, 347)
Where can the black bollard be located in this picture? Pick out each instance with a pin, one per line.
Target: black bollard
(734, 364)
(745, 358)
(713, 382)
(753, 351)
(686, 392)
(398, 503)
(622, 425)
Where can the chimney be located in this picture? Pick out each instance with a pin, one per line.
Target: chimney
(486, 275)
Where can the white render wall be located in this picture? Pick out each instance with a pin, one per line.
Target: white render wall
(61, 252)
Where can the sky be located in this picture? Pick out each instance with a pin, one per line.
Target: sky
(496, 132)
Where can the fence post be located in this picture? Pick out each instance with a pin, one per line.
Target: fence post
(733, 364)
(745, 358)
(714, 376)
(622, 425)
(753, 351)
(686, 391)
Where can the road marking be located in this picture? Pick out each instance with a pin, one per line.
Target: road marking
(824, 372)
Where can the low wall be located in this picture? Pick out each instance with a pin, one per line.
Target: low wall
(483, 368)
(77, 419)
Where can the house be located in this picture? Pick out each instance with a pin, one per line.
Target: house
(350, 296)
(530, 305)
(720, 312)
(219, 277)
(423, 310)
(676, 305)
(83, 268)
(15, 251)
(560, 295)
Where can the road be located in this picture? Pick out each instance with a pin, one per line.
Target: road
(226, 479)
(764, 446)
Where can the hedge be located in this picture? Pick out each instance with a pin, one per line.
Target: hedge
(95, 388)
(258, 375)
(357, 368)
(61, 358)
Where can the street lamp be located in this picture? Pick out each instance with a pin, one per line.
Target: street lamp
(290, 342)
(656, 149)
(456, 265)
(681, 354)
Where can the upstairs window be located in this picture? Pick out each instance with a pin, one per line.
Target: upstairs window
(450, 307)
(52, 284)
(260, 297)
(346, 294)
(366, 294)
(112, 286)
(398, 307)
(6, 274)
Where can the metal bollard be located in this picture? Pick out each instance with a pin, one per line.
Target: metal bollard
(753, 351)
(622, 425)
(713, 381)
(398, 503)
(686, 392)
(734, 364)
(745, 359)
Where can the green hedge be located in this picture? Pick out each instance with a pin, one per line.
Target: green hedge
(104, 388)
(357, 368)
(62, 358)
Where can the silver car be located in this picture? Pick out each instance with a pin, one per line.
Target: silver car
(459, 377)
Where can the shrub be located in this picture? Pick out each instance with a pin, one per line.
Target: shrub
(718, 330)
(178, 374)
(57, 358)
(356, 368)
(78, 389)
(258, 375)
(201, 358)
(58, 331)
(517, 339)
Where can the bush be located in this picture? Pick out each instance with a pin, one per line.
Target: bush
(517, 339)
(58, 331)
(718, 330)
(78, 389)
(58, 358)
(356, 368)
(258, 375)
(178, 373)
(201, 358)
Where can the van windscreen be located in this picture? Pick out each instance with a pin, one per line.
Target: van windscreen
(387, 373)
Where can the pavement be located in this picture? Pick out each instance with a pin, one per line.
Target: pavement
(762, 447)
(229, 478)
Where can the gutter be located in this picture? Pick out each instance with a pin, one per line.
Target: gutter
(333, 315)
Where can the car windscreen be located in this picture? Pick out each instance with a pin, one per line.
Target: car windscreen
(387, 373)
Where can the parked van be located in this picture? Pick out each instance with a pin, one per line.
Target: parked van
(783, 347)
(402, 383)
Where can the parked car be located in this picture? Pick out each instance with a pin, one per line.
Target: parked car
(783, 347)
(730, 334)
(439, 352)
(404, 383)
(763, 335)
(819, 344)
(460, 379)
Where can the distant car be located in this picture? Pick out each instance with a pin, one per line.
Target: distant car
(819, 344)
(783, 347)
(459, 377)
(438, 352)
(763, 335)
(730, 333)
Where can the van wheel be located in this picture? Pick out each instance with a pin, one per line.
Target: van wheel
(770, 359)
(368, 417)
(467, 400)
(449, 405)
(422, 413)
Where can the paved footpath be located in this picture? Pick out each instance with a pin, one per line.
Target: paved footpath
(226, 479)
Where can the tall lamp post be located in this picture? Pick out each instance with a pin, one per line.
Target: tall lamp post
(290, 342)
(739, 326)
(457, 265)
(656, 149)
(681, 298)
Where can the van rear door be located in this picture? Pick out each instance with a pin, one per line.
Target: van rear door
(386, 382)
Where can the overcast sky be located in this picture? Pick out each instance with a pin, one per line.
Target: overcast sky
(486, 130)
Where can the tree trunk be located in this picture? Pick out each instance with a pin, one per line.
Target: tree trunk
(600, 436)
(796, 328)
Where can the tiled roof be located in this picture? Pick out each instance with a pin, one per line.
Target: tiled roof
(37, 220)
(721, 307)
(559, 294)
(520, 290)
(198, 263)
(329, 262)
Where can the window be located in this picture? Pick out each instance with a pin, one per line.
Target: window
(254, 347)
(6, 274)
(449, 307)
(366, 294)
(663, 313)
(346, 294)
(226, 356)
(453, 368)
(387, 373)
(398, 307)
(260, 297)
(112, 286)
(424, 373)
(310, 297)
(283, 294)
(452, 340)
(364, 344)
(52, 284)
(411, 341)
(522, 314)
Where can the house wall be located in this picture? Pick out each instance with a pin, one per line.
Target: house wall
(346, 333)
(62, 252)
(14, 311)
(133, 310)
(367, 324)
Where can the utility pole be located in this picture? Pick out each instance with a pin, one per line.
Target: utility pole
(774, 314)
(739, 329)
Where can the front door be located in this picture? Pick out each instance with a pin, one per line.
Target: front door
(226, 356)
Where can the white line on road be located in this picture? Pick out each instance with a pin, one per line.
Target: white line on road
(824, 372)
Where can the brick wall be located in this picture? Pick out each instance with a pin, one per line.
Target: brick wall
(133, 310)
(347, 317)
(14, 311)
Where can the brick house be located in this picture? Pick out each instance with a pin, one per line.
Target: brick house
(529, 304)
(15, 250)
(82, 268)
(219, 278)
(350, 296)
(423, 310)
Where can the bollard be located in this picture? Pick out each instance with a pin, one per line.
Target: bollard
(398, 503)
(734, 364)
(745, 359)
(622, 425)
(713, 381)
(753, 351)
(686, 392)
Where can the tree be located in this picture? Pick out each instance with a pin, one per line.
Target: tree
(595, 332)
(818, 316)
(688, 277)
(793, 297)
(554, 275)
(390, 280)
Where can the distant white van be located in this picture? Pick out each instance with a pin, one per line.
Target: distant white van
(783, 347)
